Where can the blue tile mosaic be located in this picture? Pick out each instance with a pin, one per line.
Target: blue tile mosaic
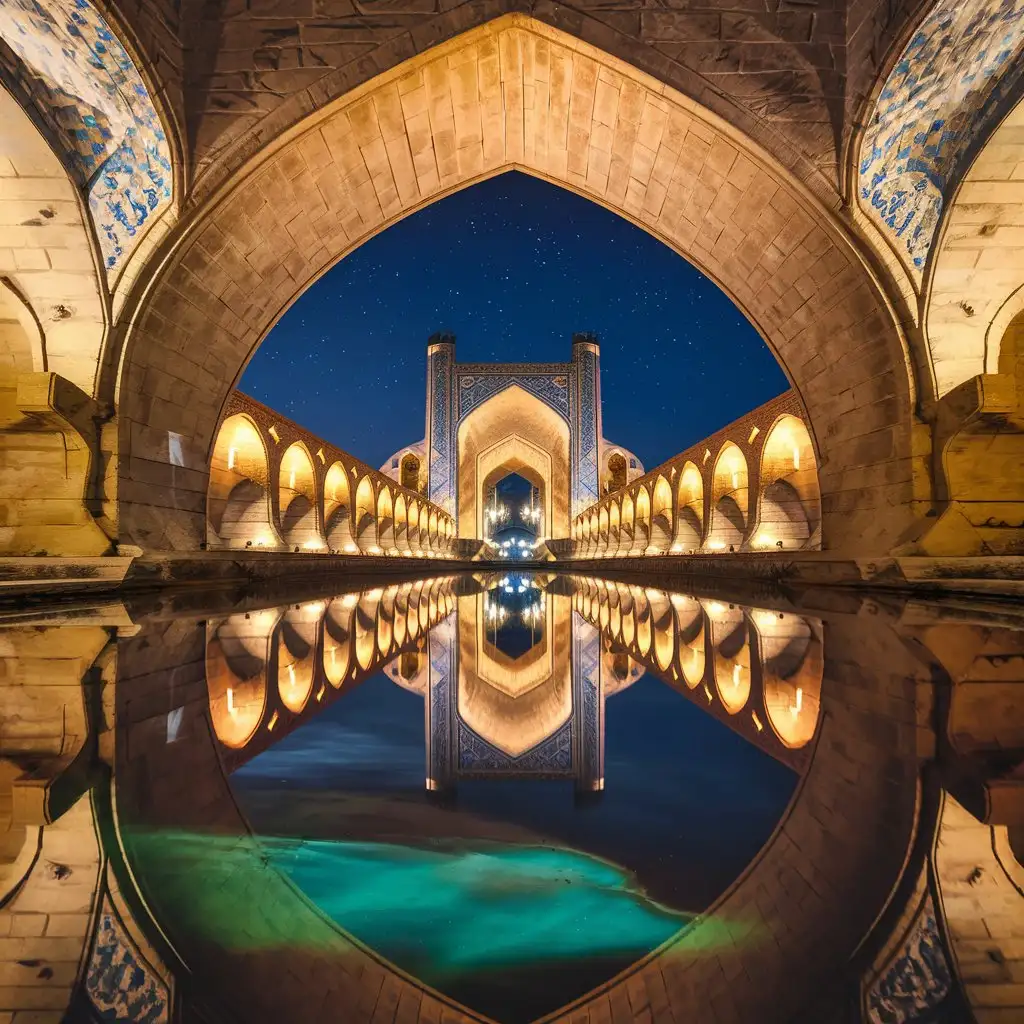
(67, 68)
(948, 90)
(918, 978)
(119, 982)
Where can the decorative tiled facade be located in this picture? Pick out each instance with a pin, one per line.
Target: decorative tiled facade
(572, 389)
(119, 982)
(950, 87)
(63, 62)
(917, 979)
(440, 440)
(588, 697)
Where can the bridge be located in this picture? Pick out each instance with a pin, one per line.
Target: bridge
(158, 226)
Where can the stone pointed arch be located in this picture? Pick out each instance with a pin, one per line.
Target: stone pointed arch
(662, 518)
(338, 509)
(514, 431)
(239, 501)
(645, 152)
(730, 500)
(298, 498)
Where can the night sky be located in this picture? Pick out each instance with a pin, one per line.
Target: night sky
(513, 267)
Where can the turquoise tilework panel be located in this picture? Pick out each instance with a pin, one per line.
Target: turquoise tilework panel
(949, 88)
(64, 64)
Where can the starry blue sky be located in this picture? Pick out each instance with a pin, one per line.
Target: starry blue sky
(513, 267)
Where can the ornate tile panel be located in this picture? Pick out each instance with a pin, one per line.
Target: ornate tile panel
(440, 428)
(477, 384)
(552, 756)
(952, 84)
(119, 982)
(64, 64)
(917, 979)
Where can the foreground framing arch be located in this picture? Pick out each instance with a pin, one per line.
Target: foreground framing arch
(607, 131)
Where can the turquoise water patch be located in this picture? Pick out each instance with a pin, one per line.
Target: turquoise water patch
(464, 918)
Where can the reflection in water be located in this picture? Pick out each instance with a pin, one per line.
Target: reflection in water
(524, 795)
(506, 893)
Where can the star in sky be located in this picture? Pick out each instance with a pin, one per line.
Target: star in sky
(513, 266)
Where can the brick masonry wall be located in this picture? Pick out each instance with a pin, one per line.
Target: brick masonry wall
(792, 78)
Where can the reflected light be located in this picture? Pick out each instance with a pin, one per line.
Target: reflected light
(231, 458)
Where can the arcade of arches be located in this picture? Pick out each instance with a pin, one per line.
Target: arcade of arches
(883, 276)
(175, 174)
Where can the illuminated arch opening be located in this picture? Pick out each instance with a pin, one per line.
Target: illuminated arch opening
(642, 526)
(690, 509)
(297, 499)
(731, 644)
(623, 541)
(789, 503)
(618, 529)
(385, 521)
(413, 531)
(424, 529)
(365, 517)
(663, 621)
(690, 621)
(644, 625)
(338, 638)
(616, 475)
(338, 510)
(296, 659)
(517, 430)
(662, 525)
(401, 524)
(236, 678)
(238, 501)
(366, 628)
(22, 347)
(729, 500)
(409, 472)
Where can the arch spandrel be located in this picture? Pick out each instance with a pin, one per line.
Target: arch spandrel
(516, 431)
(749, 227)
